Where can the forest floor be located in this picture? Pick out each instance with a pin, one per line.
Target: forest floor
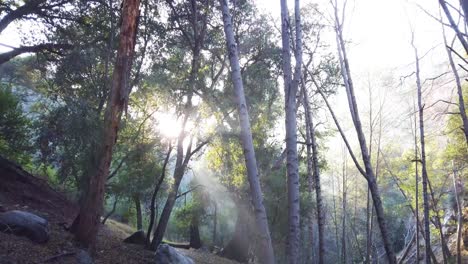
(22, 191)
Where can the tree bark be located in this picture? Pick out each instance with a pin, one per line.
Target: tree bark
(139, 215)
(290, 90)
(266, 254)
(310, 172)
(427, 235)
(111, 212)
(456, 183)
(86, 227)
(416, 158)
(461, 100)
(454, 26)
(45, 47)
(195, 240)
(316, 175)
(372, 183)
(153, 216)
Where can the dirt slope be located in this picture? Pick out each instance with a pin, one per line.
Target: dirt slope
(22, 191)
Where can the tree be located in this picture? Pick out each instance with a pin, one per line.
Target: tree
(195, 13)
(427, 234)
(87, 222)
(291, 84)
(369, 171)
(266, 254)
(52, 13)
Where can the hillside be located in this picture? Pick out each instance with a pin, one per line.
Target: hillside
(20, 190)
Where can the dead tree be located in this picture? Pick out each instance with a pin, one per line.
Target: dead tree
(369, 171)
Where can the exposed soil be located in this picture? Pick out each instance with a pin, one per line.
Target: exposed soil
(20, 190)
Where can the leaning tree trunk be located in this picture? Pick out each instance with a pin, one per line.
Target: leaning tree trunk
(461, 100)
(427, 234)
(370, 176)
(87, 222)
(453, 24)
(266, 254)
(153, 216)
(179, 171)
(290, 91)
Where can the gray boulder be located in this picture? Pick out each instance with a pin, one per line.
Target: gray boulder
(26, 224)
(83, 257)
(169, 255)
(138, 238)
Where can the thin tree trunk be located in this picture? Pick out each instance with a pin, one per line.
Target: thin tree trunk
(153, 215)
(427, 234)
(215, 223)
(266, 254)
(459, 215)
(369, 209)
(139, 215)
(114, 206)
(372, 183)
(310, 176)
(438, 224)
(179, 171)
(461, 101)
(343, 237)
(416, 158)
(181, 159)
(312, 144)
(290, 90)
(87, 222)
(454, 26)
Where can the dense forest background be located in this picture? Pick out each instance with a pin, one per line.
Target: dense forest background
(308, 150)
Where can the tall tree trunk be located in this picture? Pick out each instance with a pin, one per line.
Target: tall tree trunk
(416, 158)
(87, 223)
(316, 174)
(343, 237)
(266, 254)
(427, 234)
(181, 159)
(310, 173)
(456, 184)
(290, 91)
(139, 215)
(153, 216)
(179, 171)
(370, 176)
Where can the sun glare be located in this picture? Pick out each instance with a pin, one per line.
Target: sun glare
(168, 125)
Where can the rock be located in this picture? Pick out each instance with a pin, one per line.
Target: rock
(23, 223)
(138, 238)
(6, 260)
(169, 255)
(83, 257)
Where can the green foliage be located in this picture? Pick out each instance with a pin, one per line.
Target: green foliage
(15, 141)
